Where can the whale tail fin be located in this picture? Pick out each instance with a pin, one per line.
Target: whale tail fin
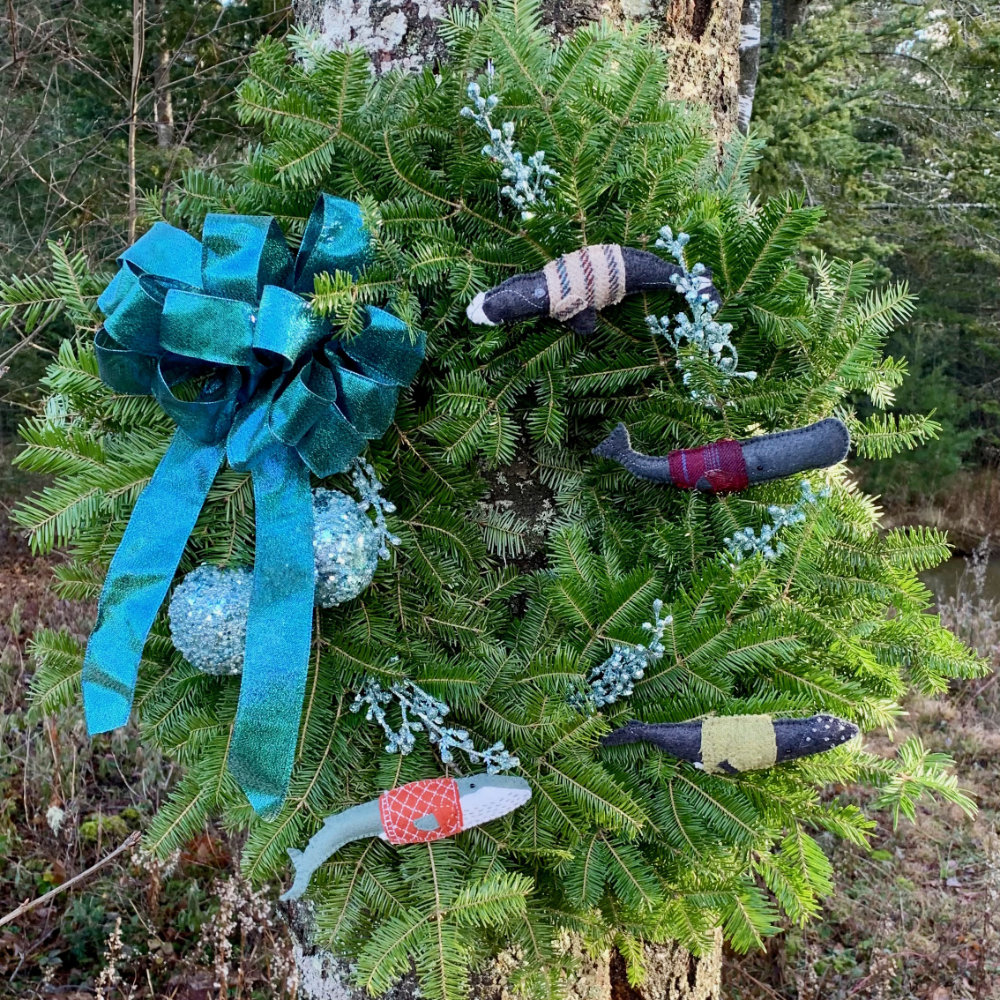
(617, 445)
(631, 732)
(302, 876)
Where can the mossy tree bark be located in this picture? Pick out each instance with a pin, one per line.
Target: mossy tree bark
(703, 40)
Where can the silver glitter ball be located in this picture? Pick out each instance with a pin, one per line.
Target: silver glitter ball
(346, 544)
(208, 618)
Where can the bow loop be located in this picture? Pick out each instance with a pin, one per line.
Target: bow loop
(386, 346)
(127, 372)
(287, 326)
(241, 254)
(208, 328)
(135, 321)
(305, 401)
(165, 251)
(368, 401)
(335, 240)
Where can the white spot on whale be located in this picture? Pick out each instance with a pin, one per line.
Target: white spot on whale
(476, 313)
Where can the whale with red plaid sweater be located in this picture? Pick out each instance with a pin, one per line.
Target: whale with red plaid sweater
(414, 813)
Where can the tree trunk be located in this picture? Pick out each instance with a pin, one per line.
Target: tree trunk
(795, 12)
(672, 973)
(785, 16)
(749, 61)
(164, 102)
(703, 39)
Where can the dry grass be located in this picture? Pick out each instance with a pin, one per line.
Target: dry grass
(920, 917)
(969, 511)
(191, 930)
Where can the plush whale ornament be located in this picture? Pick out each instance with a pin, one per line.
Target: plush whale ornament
(577, 286)
(415, 813)
(730, 744)
(728, 465)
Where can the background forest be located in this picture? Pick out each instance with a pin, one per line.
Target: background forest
(884, 114)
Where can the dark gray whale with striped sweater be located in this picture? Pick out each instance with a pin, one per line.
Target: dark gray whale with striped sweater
(576, 286)
(735, 743)
(733, 465)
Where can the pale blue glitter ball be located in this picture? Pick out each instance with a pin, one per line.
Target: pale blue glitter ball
(208, 618)
(346, 544)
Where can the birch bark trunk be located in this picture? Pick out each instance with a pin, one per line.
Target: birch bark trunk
(749, 61)
(702, 37)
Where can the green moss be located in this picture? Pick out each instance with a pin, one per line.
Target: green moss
(98, 827)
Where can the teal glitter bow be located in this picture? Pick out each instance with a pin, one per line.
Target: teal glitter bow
(279, 396)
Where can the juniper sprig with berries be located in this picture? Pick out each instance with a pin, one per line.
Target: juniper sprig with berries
(525, 565)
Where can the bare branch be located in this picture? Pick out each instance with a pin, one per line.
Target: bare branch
(126, 845)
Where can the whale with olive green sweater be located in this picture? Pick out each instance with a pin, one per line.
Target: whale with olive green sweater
(735, 743)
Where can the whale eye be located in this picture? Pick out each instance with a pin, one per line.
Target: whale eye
(760, 468)
(539, 291)
(472, 784)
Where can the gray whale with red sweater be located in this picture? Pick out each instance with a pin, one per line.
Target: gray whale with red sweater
(728, 465)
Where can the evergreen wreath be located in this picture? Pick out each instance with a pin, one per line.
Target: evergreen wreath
(502, 609)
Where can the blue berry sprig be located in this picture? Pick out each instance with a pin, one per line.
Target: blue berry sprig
(615, 678)
(370, 490)
(698, 329)
(528, 181)
(746, 542)
(421, 712)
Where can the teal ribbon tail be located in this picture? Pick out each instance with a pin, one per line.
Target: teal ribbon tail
(279, 631)
(140, 575)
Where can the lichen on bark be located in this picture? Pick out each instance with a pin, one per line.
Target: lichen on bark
(701, 36)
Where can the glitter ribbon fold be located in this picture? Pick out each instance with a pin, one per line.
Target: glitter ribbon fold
(218, 332)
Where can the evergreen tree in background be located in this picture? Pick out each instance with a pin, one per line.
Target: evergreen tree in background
(523, 559)
(886, 115)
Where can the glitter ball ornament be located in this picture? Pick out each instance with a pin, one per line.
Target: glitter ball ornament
(209, 608)
(208, 618)
(346, 544)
